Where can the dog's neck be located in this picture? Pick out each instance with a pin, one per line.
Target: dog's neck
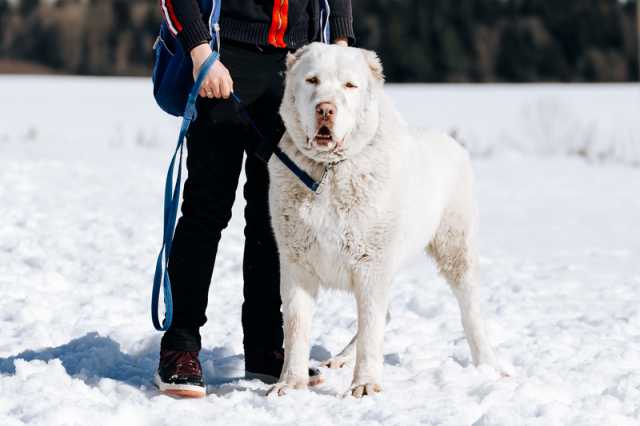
(343, 174)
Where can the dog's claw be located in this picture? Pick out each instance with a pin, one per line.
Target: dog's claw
(359, 391)
(281, 388)
(504, 373)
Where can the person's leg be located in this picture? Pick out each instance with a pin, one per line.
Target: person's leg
(261, 316)
(214, 164)
(216, 144)
(215, 147)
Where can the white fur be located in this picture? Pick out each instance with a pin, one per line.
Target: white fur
(391, 194)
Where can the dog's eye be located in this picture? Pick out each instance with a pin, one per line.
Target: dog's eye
(350, 85)
(313, 80)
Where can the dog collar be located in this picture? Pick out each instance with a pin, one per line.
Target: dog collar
(312, 184)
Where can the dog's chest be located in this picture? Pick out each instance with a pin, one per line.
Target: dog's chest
(341, 217)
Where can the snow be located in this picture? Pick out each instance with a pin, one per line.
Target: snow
(82, 164)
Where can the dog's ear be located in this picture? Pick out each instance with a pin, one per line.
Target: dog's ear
(293, 58)
(375, 65)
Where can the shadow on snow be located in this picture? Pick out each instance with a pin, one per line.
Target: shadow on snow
(94, 357)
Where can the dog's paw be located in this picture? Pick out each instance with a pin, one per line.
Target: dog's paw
(358, 391)
(281, 388)
(506, 371)
(496, 368)
(336, 362)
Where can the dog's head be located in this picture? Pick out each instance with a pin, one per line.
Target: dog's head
(330, 106)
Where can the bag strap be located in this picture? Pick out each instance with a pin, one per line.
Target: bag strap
(171, 203)
(214, 24)
(325, 29)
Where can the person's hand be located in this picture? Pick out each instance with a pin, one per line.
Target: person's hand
(342, 42)
(218, 83)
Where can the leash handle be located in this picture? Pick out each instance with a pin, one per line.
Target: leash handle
(190, 112)
(171, 204)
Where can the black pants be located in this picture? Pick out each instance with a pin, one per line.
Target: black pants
(216, 144)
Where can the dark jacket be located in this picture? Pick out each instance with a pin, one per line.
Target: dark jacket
(280, 23)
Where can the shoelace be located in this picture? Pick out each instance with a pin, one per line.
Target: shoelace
(186, 364)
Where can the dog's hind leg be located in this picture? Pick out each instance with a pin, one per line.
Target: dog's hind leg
(348, 354)
(454, 252)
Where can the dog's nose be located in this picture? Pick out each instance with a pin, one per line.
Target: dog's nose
(325, 111)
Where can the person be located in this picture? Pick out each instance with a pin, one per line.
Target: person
(256, 36)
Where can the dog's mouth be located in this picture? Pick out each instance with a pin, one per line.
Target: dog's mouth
(325, 141)
(323, 137)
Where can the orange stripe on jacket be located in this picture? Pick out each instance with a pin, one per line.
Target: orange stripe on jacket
(279, 23)
(284, 13)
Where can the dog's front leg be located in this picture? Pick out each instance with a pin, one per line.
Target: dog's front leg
(371, 291)
(298, 293)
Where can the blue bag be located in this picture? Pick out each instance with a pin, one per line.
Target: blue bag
(173, 70)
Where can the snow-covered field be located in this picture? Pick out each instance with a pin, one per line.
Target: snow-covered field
(82, 163)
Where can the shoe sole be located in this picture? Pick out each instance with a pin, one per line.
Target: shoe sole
(271, 380)
(182, 391)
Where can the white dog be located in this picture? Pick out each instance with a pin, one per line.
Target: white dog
(389, 193)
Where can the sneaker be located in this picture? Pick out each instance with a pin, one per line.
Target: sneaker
(180, 374)
(267, 366)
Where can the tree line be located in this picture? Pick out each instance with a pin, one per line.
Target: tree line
(418, 40)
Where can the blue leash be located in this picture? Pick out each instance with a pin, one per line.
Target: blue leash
(172, 195)
(171, 203)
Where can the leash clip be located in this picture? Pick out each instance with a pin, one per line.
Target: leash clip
(317, 187)
(320, 184)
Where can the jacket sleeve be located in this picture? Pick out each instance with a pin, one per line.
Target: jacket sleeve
(341, 20)
(184, 19)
